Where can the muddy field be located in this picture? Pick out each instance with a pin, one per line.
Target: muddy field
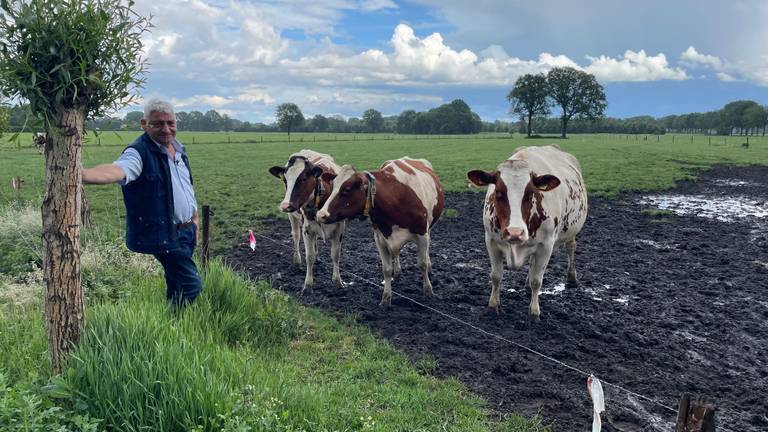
(668, 302)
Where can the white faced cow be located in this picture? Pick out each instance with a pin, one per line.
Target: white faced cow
(305, 193)
(404, 199)
(536, 201)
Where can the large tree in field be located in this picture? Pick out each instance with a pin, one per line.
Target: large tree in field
(529, 97)
(289, 117)
(754, 118)
(405, 122)
(72, 60)
(577, 93)
(373, 120)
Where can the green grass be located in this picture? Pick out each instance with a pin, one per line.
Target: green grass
(657, 212)
(244, 355)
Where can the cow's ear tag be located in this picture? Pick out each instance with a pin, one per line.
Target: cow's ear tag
(546, 182)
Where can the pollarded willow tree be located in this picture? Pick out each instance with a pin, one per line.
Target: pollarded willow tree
(71, 60)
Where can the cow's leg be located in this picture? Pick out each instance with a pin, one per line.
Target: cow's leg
(531, 263)
(310, 249)
(570, 248)
(396, 269)
(497, 268)
(536, 277)
(425, 264)
(386, 267)
(338, 234)
(296, 222)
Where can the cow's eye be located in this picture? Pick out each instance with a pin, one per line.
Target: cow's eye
(499, 195)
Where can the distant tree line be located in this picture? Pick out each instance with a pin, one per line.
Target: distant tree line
(735, 118)
(452, 118)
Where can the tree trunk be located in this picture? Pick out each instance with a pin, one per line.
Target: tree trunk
(530, 118)
(61, 234)
(565, 126)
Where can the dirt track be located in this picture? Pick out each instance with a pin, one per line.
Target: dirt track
(666, 304)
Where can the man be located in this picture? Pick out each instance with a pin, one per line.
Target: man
(161, 210)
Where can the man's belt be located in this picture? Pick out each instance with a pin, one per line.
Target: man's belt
(183, 225)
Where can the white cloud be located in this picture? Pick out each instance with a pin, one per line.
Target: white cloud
(197, 100)
(693, 57)
(755, 70)
(375, 5)
(722, 76)
(255, 95)
(635, 66)
(430, 61)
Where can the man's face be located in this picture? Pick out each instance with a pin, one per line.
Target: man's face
(160, 126)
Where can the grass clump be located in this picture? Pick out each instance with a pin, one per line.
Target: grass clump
(450, 213)
(657, 212)
(20, 239)
(143, 365)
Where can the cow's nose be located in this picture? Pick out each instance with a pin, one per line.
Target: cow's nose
(286, 207)
(321, 216)
(513, 234)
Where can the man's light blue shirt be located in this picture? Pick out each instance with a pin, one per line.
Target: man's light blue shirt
(184, 202)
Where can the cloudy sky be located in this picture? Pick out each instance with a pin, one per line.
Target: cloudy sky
(244, 57)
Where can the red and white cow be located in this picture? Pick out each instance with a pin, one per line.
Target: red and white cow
(404, 199)
(305, 193)
(536, 201)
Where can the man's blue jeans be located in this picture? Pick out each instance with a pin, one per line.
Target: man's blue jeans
(182, 280)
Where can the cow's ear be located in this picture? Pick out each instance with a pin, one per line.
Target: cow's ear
(277, 171)
(327, 176)
(545, 182)
(316, 171)
(482, 178)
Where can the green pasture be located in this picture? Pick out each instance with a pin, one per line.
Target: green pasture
(231, 175)
(246, 357)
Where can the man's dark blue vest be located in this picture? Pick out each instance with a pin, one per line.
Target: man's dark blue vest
(149, 201)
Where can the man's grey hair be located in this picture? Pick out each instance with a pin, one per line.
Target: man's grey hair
(158, 105)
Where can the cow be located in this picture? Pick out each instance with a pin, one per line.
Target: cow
(305, 192)
(38, 140)
(536, 201)
(404, 199)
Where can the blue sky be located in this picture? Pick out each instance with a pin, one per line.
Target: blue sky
(341, 57)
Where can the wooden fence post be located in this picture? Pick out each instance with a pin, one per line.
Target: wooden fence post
(206, 236)
(695, 415)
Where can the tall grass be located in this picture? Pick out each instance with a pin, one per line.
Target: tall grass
(143, 366)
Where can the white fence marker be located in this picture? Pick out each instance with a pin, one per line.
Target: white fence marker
(598, 401)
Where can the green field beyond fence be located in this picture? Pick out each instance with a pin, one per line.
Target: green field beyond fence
(231, 174)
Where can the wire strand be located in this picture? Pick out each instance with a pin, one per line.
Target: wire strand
(502, 338)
